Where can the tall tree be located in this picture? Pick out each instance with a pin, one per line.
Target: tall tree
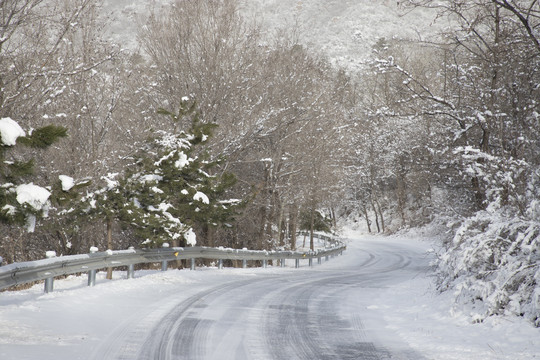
(168, 192)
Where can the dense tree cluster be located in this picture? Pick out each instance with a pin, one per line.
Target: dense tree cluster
(273, 107)
(469, 119)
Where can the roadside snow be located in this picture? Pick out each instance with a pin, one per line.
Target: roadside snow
(75, 319)
(427, 320)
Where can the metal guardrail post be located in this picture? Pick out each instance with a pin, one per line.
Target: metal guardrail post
(131, 267)
(92, 273)
(319, 260)
(310, 262)
(282, 262)
(49, 282)
(1, 261)
(220, 264)
(244, 263)
(265, 264)
(297, 263)
(192, 264)
(326, 258)
(131, 271)
(164, 262)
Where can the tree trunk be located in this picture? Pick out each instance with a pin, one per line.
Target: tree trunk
(281, 226)
(479, 195)
(311, 227)
(262, 219)
(380, 214)
(376, 216)
(365, 211)
(293, 220)
(109, 245)
(210, 236)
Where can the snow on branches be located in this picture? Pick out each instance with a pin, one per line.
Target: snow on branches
(169, 188)
(493, 264)
(22, 201)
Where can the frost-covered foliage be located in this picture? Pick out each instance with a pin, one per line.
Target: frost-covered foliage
(493, 264)
(477, 105)
(503, 177)
(169, 189)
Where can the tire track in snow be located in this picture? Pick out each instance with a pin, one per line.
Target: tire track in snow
(179, 334)
(309, 327)
(288, 316)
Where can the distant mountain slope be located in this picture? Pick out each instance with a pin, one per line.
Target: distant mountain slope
(344, 30)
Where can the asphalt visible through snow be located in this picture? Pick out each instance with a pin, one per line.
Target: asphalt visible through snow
(310, 313)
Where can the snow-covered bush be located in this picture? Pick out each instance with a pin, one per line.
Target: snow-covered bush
(493, 264)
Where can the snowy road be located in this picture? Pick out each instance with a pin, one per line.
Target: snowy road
(375, 302)
(317, 313)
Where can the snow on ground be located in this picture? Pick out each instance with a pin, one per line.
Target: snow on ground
(73, 320)
(427, 320)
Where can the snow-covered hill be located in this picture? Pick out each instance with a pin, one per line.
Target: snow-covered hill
(344, 30)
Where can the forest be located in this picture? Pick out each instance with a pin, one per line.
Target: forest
(217, 133)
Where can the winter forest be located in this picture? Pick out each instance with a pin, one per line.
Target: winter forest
(214, 130)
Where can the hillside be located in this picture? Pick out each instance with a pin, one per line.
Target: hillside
(344, 30)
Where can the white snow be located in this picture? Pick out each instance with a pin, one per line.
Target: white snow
(191, 238)
(75, 320)
(67, 182)
(199, 196)
(10, 130)
(30, 225)
(10, 210)
(182, 160)
(33, 195)
(111, 182)
(150, 178)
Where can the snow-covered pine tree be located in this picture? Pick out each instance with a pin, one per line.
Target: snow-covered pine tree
(21, 201)
(168, 191)
(174, 184)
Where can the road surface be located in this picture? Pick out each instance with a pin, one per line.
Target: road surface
(324, 312)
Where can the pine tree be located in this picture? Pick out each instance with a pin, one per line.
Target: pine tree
(169, 190)
(21, 201)
(175, 186)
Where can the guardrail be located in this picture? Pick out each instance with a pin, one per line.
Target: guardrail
(47, 269)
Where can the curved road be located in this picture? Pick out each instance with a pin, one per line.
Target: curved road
(308, 313)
